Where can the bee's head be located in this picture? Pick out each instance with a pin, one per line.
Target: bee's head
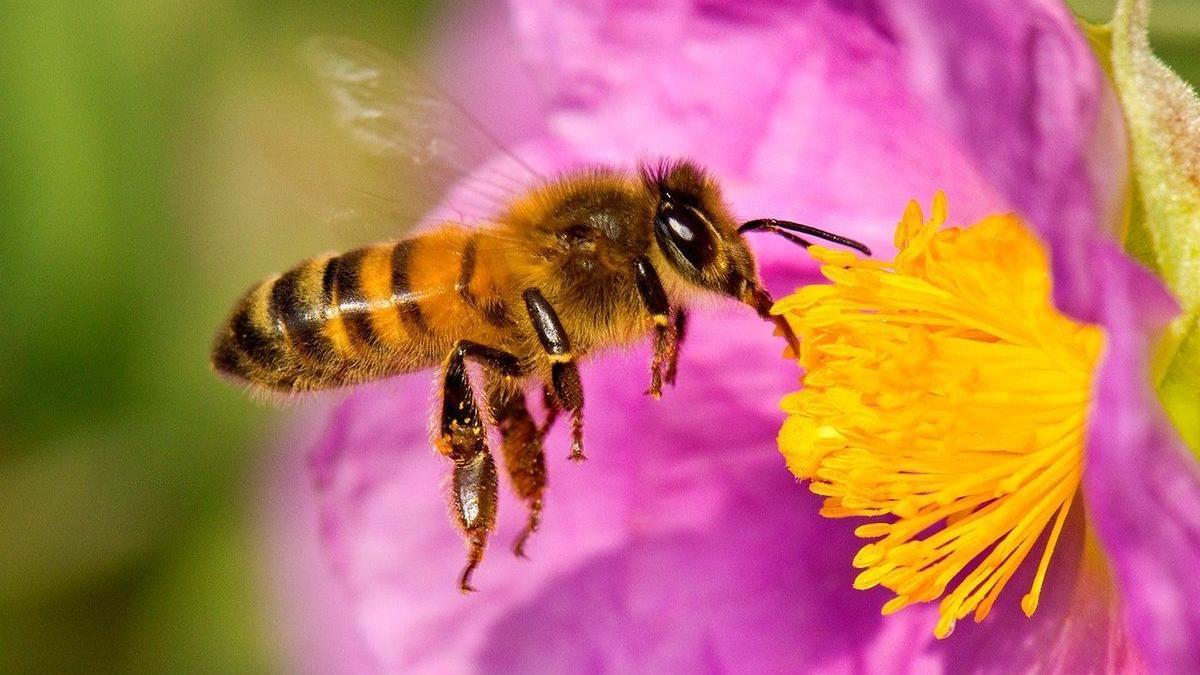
(703, 243)
(696, 233)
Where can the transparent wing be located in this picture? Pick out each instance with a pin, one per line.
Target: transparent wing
(426, 142)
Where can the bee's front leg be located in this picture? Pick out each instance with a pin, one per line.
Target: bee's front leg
(464, 441)
(668, 330)
(564, 374)
(680, 322)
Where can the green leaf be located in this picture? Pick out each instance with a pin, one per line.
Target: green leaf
(1178, 386)
(1162, 115)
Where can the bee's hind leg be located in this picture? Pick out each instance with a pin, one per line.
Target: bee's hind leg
(521, 447)
(463, 439)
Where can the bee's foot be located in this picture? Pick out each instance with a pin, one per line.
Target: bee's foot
(531, 526)
(464, 582)
(478, 541)
(519, 545)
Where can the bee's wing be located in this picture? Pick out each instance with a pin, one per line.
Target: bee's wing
(428, 141)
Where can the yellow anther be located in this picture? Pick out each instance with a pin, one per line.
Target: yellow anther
(947, 398)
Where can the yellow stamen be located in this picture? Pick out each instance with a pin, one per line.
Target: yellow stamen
(945, 397)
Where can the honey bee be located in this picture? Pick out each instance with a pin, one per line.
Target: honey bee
(569, 267)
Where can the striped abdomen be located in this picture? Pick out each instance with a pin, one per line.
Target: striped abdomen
(370, 313)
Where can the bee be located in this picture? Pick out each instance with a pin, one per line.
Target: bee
(566, 268)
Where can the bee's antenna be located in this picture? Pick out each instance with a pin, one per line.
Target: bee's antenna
(785, 228)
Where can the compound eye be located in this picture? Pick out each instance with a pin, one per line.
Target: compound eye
(687, 232)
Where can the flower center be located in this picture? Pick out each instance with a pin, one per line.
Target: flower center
(946, 399)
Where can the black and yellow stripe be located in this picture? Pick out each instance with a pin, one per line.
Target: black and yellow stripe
(406, 300)
(299, 299)
(367, 313)
(491, 307)
(351, 302)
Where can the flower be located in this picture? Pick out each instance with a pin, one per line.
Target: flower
(682, 544)
(944, 389)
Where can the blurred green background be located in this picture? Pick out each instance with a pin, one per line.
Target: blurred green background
(136, 203)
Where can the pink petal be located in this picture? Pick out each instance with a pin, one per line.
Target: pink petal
(316, 626)
(1142, 483)
(477, 62)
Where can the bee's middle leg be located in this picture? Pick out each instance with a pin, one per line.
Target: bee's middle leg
(521, 446)
(564, 373)
(552, 409)
(464, 441)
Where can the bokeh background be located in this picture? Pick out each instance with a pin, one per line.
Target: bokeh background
(149, 158)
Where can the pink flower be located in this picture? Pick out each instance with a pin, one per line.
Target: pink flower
(684, 544)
